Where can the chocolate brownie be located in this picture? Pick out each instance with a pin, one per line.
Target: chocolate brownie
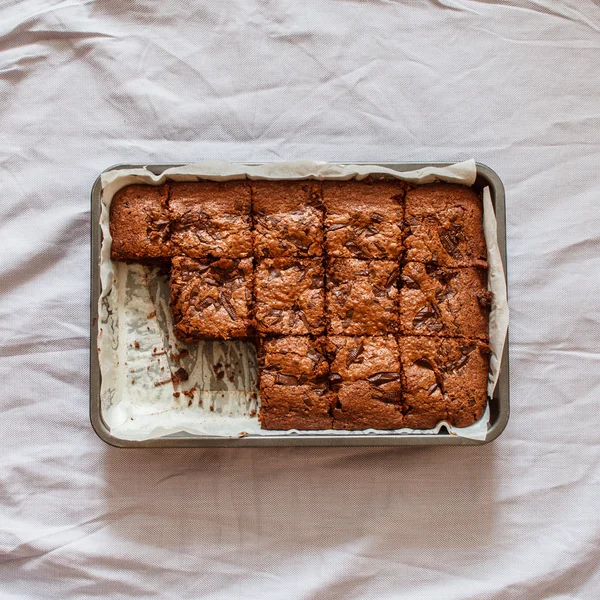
(211, 219)
(293, 384)
(289, 296)
(139, 223)
(299, 407)
(293, 360)
(211, 299)
(363, 219)
(362, 297)
(442, 301)
(288, 218)
(443, 379)
(365, 377)
(445, 226)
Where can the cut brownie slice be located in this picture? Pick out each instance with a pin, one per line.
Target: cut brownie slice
(365, 378)
(445, 302)
(362, 297)
(293, 360)
(293, 384)
(445, 226)
(289, 296)
(443, 379)
(139, 223)
(211, 219)
(288, 219)
(299, 407)
(363, 219)
(211, 300)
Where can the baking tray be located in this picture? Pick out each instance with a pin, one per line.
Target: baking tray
(499, 403)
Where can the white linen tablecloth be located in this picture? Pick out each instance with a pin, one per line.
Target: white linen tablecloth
(85, 84)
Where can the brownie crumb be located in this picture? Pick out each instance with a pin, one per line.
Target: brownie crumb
(179, 355)
(181, 374)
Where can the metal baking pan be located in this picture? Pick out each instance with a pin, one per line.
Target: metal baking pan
(499, 403)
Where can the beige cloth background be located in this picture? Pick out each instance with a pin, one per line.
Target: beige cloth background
(86, 84)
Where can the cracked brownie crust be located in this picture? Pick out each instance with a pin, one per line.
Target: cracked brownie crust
(293, 384)
(139, 223)
(443, 379)
(363, 219)
(355, 408)
(362, 296)
(299, 407)
(365, 378)
(445, 302)
(211, 219)
(444, 226)
(211, 299)
(288, 219)
(293, 360)
(289, 297)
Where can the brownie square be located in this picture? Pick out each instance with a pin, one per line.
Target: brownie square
(293, 360)
(288, 219)
(211, 219)
(445, 226)
(139, 223)
(365, 378)
(445, 302)
(363, 219)
(302, 407)
(289, 296)
(443, 379)
(293, 384)
(211, 299)
(362, 297)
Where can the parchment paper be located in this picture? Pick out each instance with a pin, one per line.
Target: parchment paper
(139, 355)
